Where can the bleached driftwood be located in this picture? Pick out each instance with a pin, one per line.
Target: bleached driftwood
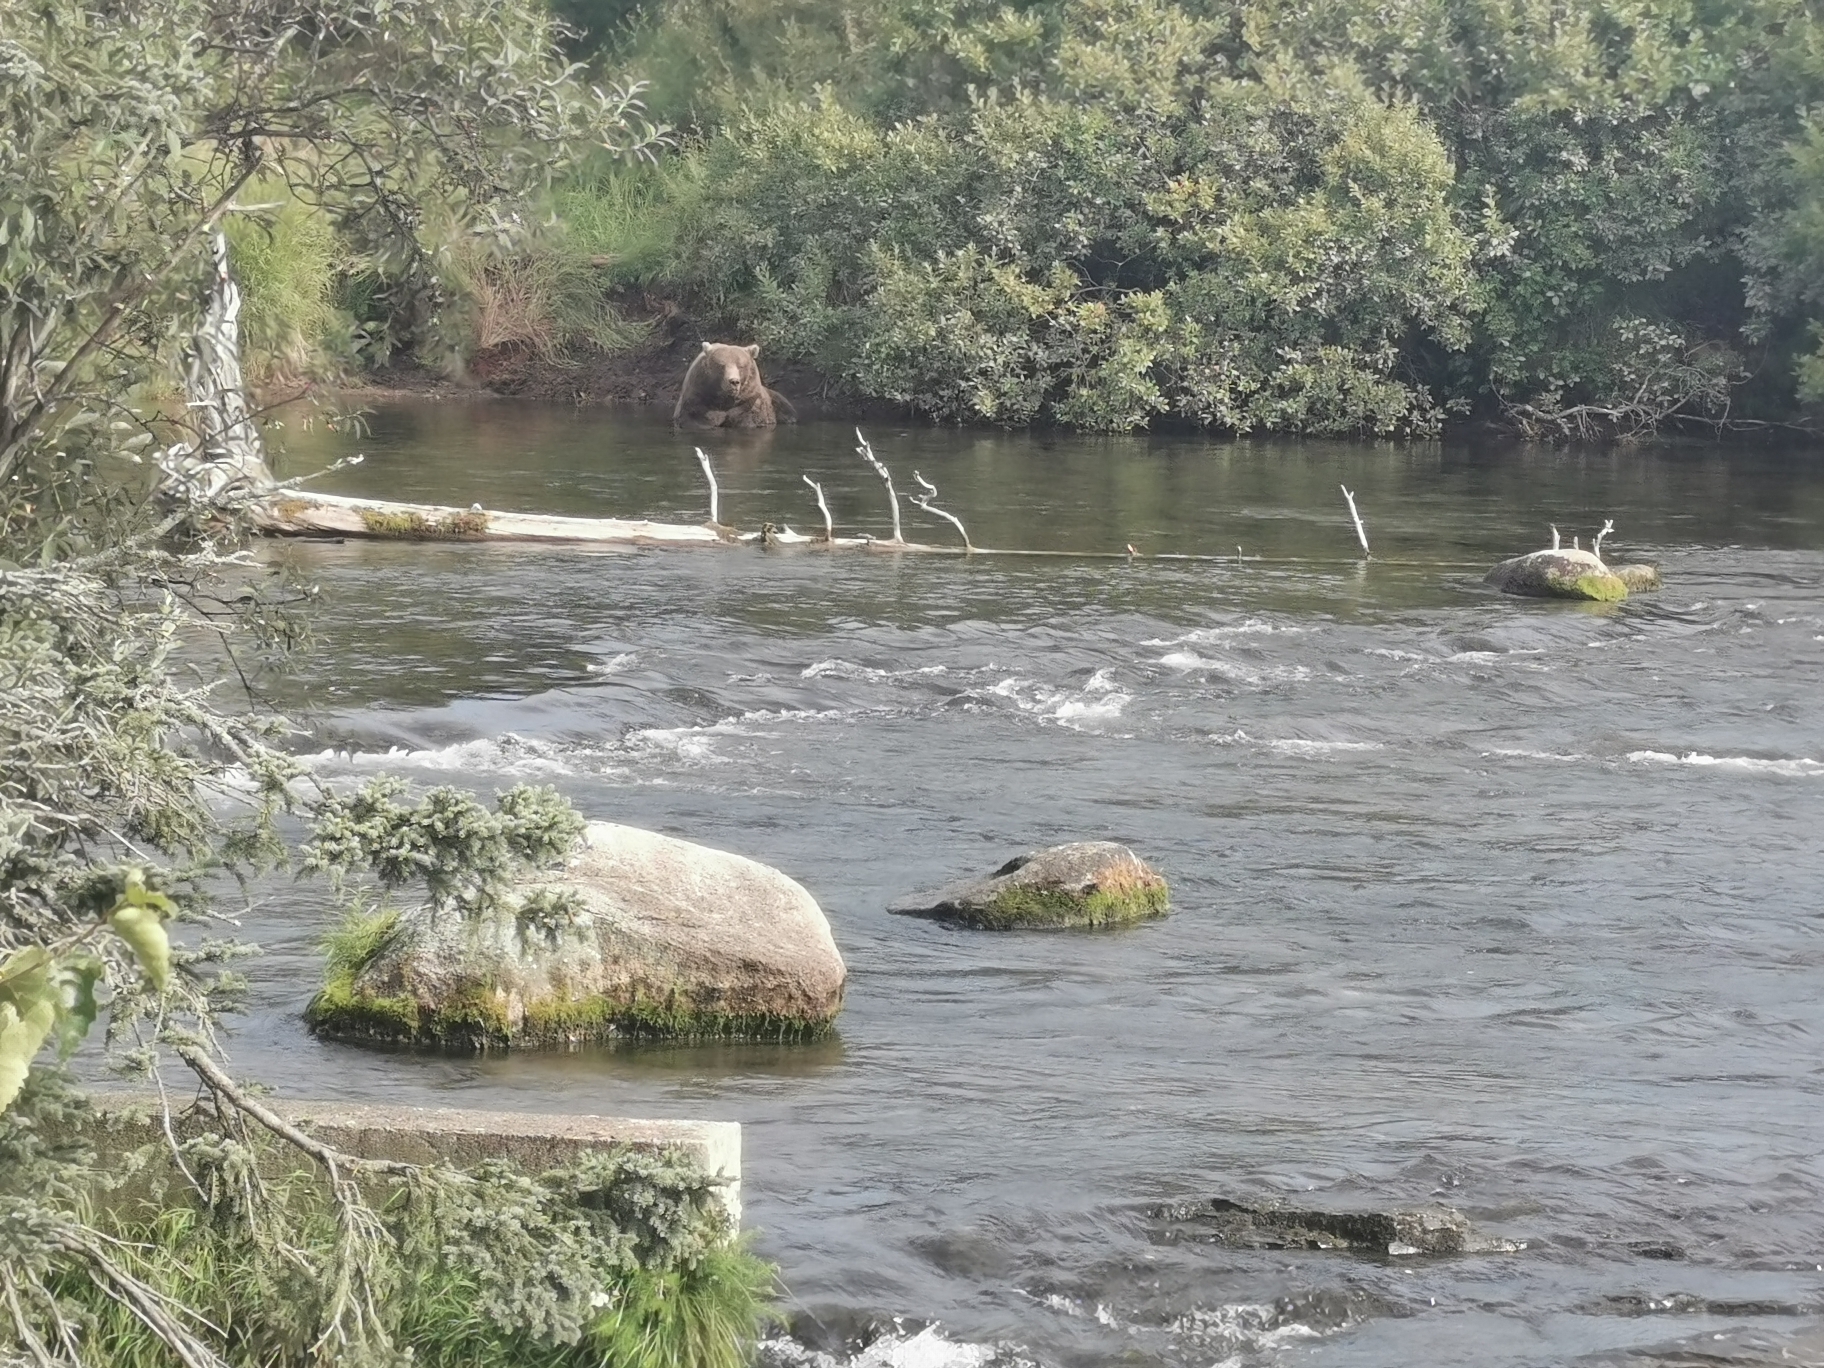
(923, 500)
(298, 514)
(829, 527)
(339, 515)
(1361, 533)
(866, 452)
(715, 494)
(1608, 526)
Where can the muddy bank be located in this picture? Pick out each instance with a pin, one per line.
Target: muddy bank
(651, 376)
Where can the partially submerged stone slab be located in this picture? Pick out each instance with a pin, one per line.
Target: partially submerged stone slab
(1558, 573)
(1084, 883)
(1269, 1224)
(641, 934)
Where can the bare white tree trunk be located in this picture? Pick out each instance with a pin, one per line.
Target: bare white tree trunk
(227, 459)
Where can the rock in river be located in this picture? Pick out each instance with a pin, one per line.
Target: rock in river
(639, 934)
(1558, 574)
(1431, 1229)
(1085, 883)
(1638, 577)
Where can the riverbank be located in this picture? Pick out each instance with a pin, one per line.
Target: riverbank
(647, 379)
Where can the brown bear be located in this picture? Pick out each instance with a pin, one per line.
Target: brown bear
(723, 389)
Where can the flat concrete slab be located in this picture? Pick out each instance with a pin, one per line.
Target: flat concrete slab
(536, 1141)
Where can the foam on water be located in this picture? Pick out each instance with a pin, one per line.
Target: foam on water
(927, 1348)
(837, 668)
(1795, 767)
(1099, 701)
(1213, 636)
(507, 755)
(1300, 746)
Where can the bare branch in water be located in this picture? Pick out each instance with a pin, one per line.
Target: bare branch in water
(866, 452)
(1608, 526)
(715, 494)
(1361, 533)
(829, 527)
(923, 500)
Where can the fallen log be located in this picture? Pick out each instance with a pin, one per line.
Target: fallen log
(297, 514)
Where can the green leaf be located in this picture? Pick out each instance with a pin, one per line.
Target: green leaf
(137, 920)
(28, 1010)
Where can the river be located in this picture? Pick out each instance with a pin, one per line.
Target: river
(1510, 904)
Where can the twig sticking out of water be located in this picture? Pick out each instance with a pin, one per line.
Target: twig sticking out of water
(1238, 555)
(1608, 526)
(1361, 533)
(866, 453)
(829, 528)
(715, 494)
(1554, 527)
(923, 501)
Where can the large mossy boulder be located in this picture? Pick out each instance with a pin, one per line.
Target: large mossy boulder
(1085, 883)
(1568, 574)
(638, 934)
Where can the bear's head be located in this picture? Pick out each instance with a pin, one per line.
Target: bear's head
(732, 370)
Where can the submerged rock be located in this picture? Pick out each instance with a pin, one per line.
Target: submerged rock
(640, 934)
(1558, 573)
(1267, 1224)
(1085, 883)
(1638, 577)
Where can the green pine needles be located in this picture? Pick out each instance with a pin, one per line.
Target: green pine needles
(623, 1258)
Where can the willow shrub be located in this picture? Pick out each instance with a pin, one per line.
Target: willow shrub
(1649, 164)
(1254, 260)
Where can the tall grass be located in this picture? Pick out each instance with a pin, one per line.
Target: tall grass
(628, 219)
(287, 261)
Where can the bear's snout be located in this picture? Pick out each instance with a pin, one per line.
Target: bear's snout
(731, 376)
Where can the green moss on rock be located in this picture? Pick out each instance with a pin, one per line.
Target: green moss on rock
(339, 1011)
(1082, 884)
(478, 1020)
(1025, 906)
(411, 526)
(1598, 588)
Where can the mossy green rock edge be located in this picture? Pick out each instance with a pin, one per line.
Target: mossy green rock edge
(1037, 908)
(479, 1022)
(1086, 884)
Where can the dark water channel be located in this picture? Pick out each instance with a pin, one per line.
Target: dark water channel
(1510, 904)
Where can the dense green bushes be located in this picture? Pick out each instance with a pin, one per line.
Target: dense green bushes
(1316, 215)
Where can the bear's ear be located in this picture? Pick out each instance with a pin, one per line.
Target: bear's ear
(754, 351)
(708, 345)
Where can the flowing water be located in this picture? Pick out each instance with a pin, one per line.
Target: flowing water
(1511, 904)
